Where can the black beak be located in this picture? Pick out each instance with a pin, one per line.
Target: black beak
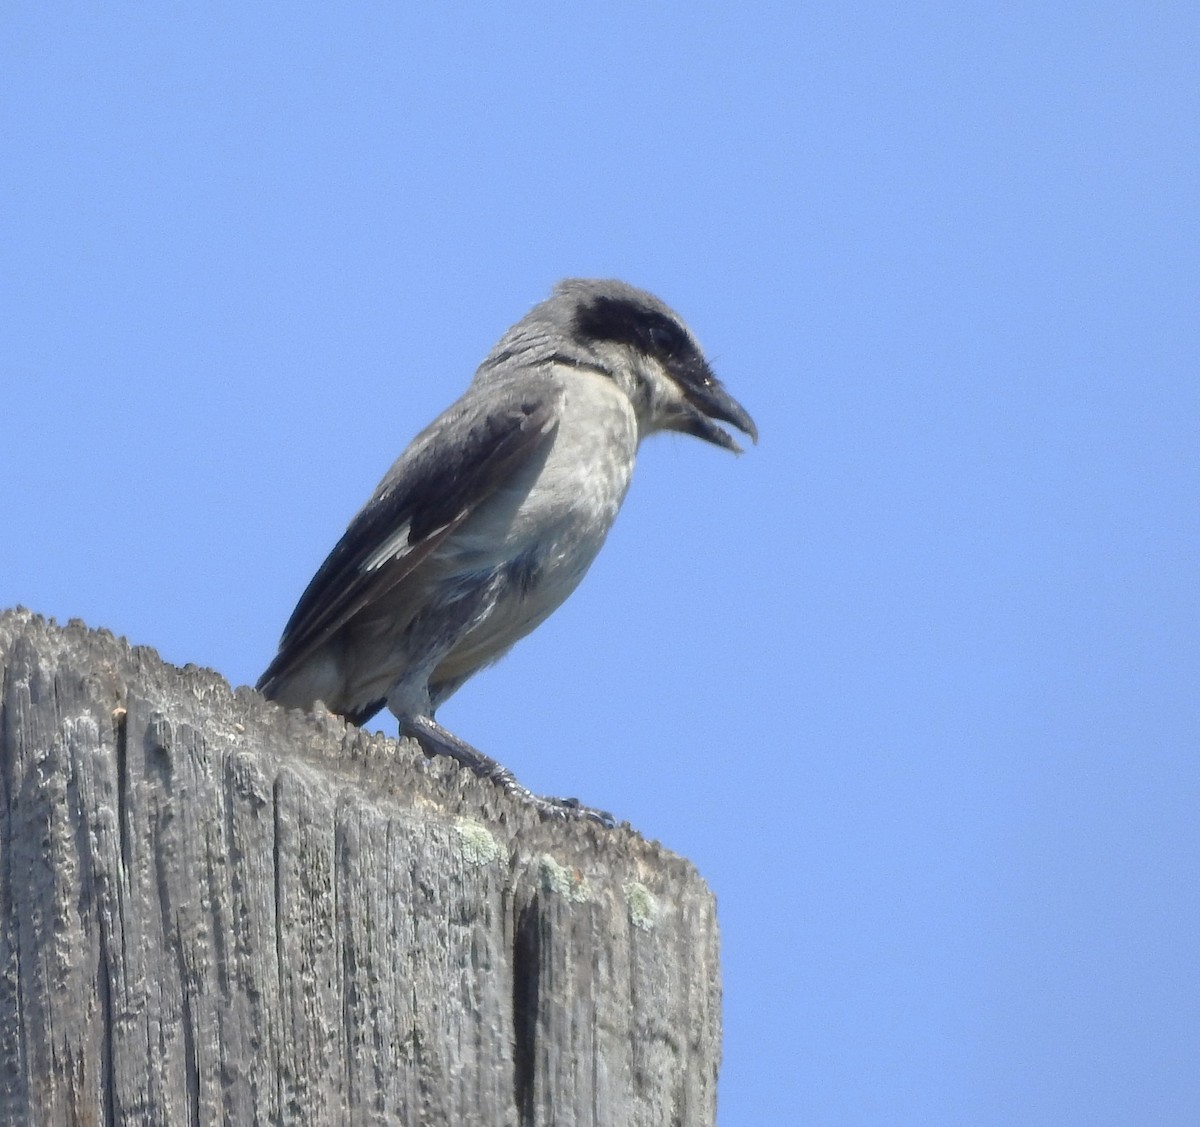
(709, 403)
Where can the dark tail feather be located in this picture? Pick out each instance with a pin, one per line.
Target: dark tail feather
(361, 715)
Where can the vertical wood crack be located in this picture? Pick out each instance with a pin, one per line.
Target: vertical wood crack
(527, 954)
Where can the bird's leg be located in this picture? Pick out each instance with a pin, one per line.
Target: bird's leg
(436, 740)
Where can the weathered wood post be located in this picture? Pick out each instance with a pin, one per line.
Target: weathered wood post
(213, 911)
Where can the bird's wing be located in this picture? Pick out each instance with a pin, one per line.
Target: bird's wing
(449, 470)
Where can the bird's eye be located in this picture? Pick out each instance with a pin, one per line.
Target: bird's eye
(664, 339)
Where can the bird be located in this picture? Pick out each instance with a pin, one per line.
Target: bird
(495, 511)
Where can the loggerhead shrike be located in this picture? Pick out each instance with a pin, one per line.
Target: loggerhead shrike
(493, 514)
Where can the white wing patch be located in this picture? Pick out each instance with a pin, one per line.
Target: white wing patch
(395, 545)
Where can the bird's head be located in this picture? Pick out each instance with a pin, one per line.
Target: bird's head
(651, 354)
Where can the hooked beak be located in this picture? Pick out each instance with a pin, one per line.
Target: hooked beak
(708, 404)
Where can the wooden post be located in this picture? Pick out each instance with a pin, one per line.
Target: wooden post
(214, 911)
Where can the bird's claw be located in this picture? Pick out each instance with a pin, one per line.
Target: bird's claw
(436, 740)
(561, 808)
(571, 808)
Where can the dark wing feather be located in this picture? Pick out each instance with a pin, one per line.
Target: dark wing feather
(450, 468)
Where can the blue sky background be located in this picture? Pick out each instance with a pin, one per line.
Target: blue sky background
(915, 682)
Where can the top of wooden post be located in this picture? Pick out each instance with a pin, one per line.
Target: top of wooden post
(215, 910)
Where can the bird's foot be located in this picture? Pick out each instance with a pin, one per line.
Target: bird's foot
(563, 807)
(436, 740)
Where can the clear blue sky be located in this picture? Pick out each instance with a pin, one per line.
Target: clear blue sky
(916, 682)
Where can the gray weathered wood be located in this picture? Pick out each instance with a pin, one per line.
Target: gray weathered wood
(215, 911)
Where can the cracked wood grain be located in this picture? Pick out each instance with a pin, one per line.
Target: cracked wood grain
(214, 911)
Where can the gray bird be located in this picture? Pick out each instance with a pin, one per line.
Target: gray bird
(493, 514)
